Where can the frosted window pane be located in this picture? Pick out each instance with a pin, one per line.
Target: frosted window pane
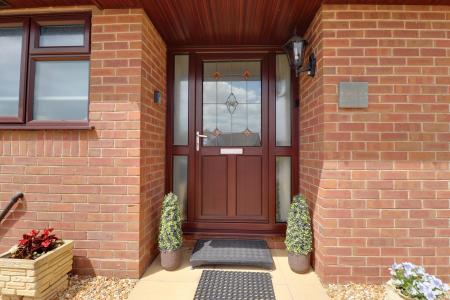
(10, 58)
(61, 35)
(283, 187)
(283, 102)
(180, 181)
(61, 90)
(180, 103)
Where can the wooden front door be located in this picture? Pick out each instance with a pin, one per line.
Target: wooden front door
(231, 139)
(232, 146)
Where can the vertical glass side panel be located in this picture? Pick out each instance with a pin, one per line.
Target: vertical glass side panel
(283, 101)
(180, 100)
(283, 187)
(180, 181)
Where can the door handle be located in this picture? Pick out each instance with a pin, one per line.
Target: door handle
(197, 140)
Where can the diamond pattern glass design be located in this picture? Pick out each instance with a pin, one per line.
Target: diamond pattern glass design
(232, 103)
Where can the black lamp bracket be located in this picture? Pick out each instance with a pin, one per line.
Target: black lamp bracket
(310, 67)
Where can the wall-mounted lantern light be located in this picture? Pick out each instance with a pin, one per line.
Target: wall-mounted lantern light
(295, 50)
(157, 96)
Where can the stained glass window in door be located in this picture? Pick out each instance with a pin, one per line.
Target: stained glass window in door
(232, 103)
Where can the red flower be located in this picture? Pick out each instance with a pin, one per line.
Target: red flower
(47, 231)
(46, 243)
(33, 232)
(34, 243)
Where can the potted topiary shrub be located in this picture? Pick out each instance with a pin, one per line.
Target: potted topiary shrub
(412, 282)
(299, 235)
(37, 267)
(170, 234)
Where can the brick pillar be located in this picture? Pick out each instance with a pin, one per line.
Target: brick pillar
(378, 178)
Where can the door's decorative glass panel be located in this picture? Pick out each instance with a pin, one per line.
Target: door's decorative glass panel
(283, 187)
(180, 100)
(61, 35)
(10, 59)
(283, 101)
(180, 181)
(232, 103)
(61, 90)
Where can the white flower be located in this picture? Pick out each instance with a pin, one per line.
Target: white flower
(13, 249)
(397, 282)
(420, 271)
(413, 291)
(445, 287)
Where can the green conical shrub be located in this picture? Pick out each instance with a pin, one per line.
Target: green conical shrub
(170, 234)
(299, 233)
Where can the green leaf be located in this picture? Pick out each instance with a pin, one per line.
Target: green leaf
(170, 233)
(299, 232)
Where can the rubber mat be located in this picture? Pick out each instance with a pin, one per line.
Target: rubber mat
(232, 252)
(231, 285)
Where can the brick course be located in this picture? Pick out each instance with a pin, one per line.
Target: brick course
(101, 187)
(378, 178)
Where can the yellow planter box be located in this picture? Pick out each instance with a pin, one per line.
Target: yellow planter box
(39, 279)
(393, 294)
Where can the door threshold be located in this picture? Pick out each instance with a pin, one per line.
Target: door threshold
(274, 240)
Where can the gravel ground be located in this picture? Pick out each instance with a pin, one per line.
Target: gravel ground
(97, 288)
(355, 291)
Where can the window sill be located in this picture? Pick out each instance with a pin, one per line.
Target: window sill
(46, 127)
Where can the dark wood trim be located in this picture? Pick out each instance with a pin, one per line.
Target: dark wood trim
(295, 139)
(293, 150)
(169, 123)
(205, 56)
(262, 151)
(59, 126)
(98, 4)
(235, 228)
(32, 53)
(24, 22)
(192, 202)
(272, 140)
(225, 49)
(192, 166)
(229, 227)
(63, 19)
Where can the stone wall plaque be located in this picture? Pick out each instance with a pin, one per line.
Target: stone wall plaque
(353, 95)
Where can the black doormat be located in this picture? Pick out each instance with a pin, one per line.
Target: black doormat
(231, 285)
(232, 252)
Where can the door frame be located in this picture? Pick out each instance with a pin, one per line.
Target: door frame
(233, 229)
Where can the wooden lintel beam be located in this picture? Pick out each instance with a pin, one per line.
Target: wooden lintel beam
(98, 4)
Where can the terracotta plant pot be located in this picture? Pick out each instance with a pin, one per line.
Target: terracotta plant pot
(171, 260)
(299, 263)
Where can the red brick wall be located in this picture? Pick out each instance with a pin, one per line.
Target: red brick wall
(92, 185)
(383, 186)
(311, 136)
(153, 134)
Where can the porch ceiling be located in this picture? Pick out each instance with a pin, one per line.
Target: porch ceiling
(223, 22)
